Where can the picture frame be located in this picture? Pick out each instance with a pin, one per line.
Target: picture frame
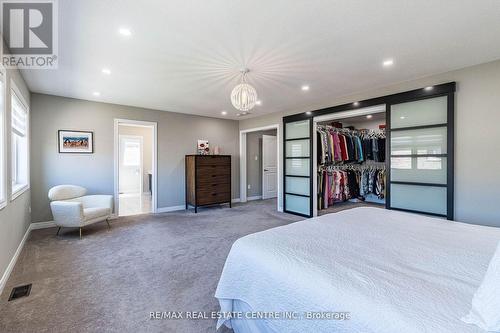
(203, 147)
(75, 142)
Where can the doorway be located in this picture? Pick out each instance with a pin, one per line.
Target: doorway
(366, 161)
(135, 167)
(269, 167)
(259, 165)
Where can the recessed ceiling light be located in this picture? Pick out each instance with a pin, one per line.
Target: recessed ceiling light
(429, 88)
(125, 32)
(305, 88)
(223, 113)
(308, 112)
(388, 62)
(355, 103)
(106, 71)
(244, 113)
(258, 102)
(369, 116)
(96, 93)
(402, 117)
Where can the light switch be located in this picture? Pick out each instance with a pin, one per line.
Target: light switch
(256, 157)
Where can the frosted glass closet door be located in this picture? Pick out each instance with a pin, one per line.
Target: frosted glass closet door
(419, 156)
(298, 167)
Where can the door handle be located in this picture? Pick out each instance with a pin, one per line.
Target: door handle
(266, 170)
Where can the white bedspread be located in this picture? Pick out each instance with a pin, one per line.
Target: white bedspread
(393, 271)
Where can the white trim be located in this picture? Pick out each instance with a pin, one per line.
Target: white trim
(352, 113)
(255, 197)
(18, 93)
(262, 128)
(3, 145)
(42, 225)
(183, 207)
(17, 193)
(170, 209)
(243, 162)
(13, 261)
(116, 146)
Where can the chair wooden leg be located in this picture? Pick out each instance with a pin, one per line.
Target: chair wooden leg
(58, 229)
(80, 233)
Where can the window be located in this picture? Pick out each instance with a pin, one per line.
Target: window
(3, 139)
(19, 145)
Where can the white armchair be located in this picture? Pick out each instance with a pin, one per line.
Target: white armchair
(72, 208)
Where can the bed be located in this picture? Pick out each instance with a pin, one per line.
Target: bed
(389, 271)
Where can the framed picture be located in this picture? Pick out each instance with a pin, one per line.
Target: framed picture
(203, 147)
(79, 142)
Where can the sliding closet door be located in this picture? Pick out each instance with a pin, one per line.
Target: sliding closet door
(297, 180)
(421, 156)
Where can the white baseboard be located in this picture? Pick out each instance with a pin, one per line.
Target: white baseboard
(255, 197)
(182, 207)
(42, 225)
(13, 261)
(170, 209)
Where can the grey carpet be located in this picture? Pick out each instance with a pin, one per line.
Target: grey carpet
(111, 280)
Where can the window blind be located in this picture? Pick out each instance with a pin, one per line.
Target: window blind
(19, 116)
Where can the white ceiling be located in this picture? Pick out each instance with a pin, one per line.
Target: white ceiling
(184, 55)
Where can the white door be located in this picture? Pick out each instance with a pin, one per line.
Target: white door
(269, 167)
(130, 172)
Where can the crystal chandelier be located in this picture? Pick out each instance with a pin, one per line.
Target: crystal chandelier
(244, 96)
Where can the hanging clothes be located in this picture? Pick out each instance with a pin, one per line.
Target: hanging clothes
(355, 182)
(343, 145)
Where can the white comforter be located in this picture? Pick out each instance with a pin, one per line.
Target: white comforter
(393, 271)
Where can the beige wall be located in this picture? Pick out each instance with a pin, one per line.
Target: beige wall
(177, 136)
(146, 134)
(477, 117)
(254, 166)
(15, 217)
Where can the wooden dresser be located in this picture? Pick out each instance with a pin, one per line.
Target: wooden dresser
(208, 180)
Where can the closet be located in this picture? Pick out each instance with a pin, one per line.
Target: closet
(417, 174)
(350, 159)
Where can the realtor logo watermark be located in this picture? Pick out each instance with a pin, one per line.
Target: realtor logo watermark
(30, 32)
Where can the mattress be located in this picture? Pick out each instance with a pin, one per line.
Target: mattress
(389, 271)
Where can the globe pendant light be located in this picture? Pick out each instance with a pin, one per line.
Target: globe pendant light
(244, 96)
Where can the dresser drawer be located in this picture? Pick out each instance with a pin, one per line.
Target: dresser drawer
(213, 161)
(209, 188)
(209, 197)
(214, 179)
(210, 171)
